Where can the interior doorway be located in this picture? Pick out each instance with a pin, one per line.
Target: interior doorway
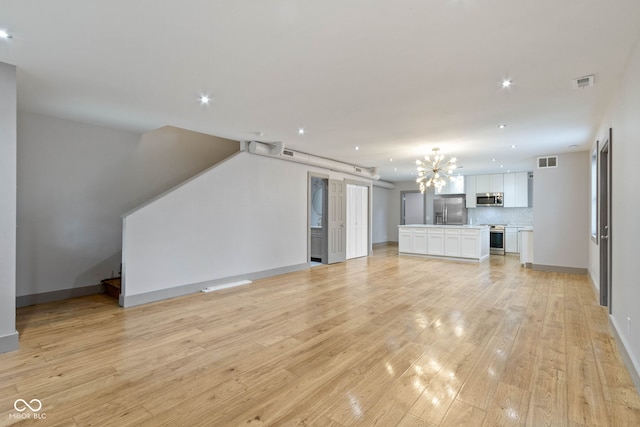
(318, 217)
(604, 195)
(412, 207)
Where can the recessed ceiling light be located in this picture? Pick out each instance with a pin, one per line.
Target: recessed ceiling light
(513, 146)
(501, 166)
(300, 131)
(258, 133)
(502, 126)
(508, 170)
(357, 148)
(5, 35)
(205, 99)
(391, 160)
(493, 160)
(395, 169)
(506, 83)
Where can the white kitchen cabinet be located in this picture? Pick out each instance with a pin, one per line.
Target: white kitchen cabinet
(516, 190)
(404, 240)
(420, 241)
(470, 190)
(492, 183)
(455, 186)
(435, 241)
(511, 240)
(412, 240)
(470, 243)
(526, 251)
(452, 242)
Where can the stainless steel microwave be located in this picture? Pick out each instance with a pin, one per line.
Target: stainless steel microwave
(489, 199)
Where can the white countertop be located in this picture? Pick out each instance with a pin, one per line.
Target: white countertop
(473, 227)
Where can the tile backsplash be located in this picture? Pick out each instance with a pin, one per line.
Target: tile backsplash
(509, 216)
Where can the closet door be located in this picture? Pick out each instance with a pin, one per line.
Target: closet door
(336, 223)
(357, 221)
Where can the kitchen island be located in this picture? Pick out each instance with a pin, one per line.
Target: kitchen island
(456, 242)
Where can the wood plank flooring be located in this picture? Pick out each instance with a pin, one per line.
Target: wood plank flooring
(383, 340)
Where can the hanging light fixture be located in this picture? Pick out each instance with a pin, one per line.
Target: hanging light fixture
(435, 171)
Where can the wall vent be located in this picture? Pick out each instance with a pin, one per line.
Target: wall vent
(287, 153)
(547, 162)
(584, 81)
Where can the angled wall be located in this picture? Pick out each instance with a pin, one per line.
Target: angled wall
(245, 218)
(75, 180)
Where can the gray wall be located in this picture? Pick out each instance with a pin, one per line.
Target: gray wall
(75, 181)
(625, 227)
(8, 334)
(561, 221)
(380, 215)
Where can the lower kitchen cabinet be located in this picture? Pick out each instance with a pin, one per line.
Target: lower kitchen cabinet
(470, 243)
(412, 240)
(511, 240)
(452, 242)
(435, 243)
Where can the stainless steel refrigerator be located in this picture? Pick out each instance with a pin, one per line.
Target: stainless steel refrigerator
(449, 210)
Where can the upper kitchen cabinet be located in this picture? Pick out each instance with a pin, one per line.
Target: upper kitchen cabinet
(492, 183)
(516, 190)
(470, 190)
(455, 186)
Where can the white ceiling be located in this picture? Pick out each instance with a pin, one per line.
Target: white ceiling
(396, 78)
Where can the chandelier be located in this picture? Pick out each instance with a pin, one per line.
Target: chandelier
(434, 171)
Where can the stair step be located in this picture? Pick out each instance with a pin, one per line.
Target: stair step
(112, 287)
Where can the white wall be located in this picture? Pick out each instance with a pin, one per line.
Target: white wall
(8, 334)
(380, 215)
(561, 222)
(245, 216)
(75, 180)
(622, 117)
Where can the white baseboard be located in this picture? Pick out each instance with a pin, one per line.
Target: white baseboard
(162, 294)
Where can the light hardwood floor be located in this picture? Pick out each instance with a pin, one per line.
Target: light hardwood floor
(383, 340)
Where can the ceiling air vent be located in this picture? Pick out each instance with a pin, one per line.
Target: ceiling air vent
(547, 162)
(582, 82)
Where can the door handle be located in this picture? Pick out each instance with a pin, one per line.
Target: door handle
(603, 237)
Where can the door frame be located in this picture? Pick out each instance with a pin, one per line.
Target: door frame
(604, 220)
(325, 210)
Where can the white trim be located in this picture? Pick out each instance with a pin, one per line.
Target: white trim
(127, 301)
